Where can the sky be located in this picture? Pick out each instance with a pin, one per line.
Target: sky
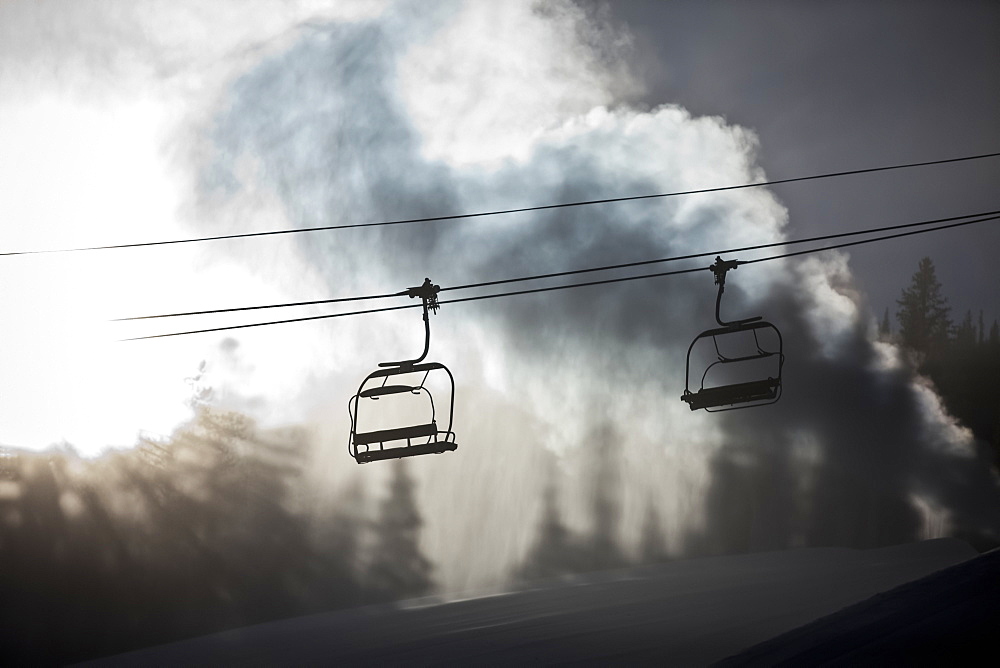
(840, 84)
(153, 120)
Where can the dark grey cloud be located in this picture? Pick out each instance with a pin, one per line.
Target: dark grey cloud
(832, 86)
(326, 125)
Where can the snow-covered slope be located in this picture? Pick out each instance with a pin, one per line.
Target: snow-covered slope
(691, 612)
(951, 617)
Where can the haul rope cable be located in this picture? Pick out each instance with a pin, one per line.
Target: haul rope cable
(570, 272)
(572, 285)
(480, 214)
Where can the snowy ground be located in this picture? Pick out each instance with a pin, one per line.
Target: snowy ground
(948, 618)
(692, 612)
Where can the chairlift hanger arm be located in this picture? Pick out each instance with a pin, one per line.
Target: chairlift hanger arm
(428, 292)
(719, 268)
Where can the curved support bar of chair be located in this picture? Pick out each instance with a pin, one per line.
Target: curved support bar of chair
(427, 344)
(731, 323)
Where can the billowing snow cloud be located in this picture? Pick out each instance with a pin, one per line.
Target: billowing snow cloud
(475, 106)
(484, 105)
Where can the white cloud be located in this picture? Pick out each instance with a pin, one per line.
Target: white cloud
(484, 86)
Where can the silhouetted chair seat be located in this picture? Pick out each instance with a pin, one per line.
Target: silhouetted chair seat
(383, 390)
(738, 393)
(440, 443)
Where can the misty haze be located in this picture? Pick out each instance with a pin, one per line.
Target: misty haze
(576, 508)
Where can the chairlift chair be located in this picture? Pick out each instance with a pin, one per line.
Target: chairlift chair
(413, 439)
(759, 391)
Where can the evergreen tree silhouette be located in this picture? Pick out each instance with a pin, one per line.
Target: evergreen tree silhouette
(884, 328)
(554, 553)
(923, 313)
(653, 545)
(398, 569)
(604, 548)
(172, 539)
(965, 333)
(339, 552)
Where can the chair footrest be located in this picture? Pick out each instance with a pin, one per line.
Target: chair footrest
(435, 448)
(727, 395)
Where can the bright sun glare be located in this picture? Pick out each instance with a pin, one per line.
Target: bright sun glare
(79, 175)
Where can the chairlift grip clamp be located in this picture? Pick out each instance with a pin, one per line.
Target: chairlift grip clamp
(720, 267)
(428, 292)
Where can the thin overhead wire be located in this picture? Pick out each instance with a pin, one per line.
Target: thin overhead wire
(480, 214)
(274, 322)
(729, 251)
(313, 302)
(692, 270)
(578, 285)
(572, 272)
(865, 241)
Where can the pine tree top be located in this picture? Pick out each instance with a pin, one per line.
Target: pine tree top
(923, 313)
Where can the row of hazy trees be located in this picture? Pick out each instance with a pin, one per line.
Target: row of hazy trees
(216, 528)
(205, 531)
(962, 357)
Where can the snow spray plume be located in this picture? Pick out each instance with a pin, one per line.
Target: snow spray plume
(334, 127)
(841, 458)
